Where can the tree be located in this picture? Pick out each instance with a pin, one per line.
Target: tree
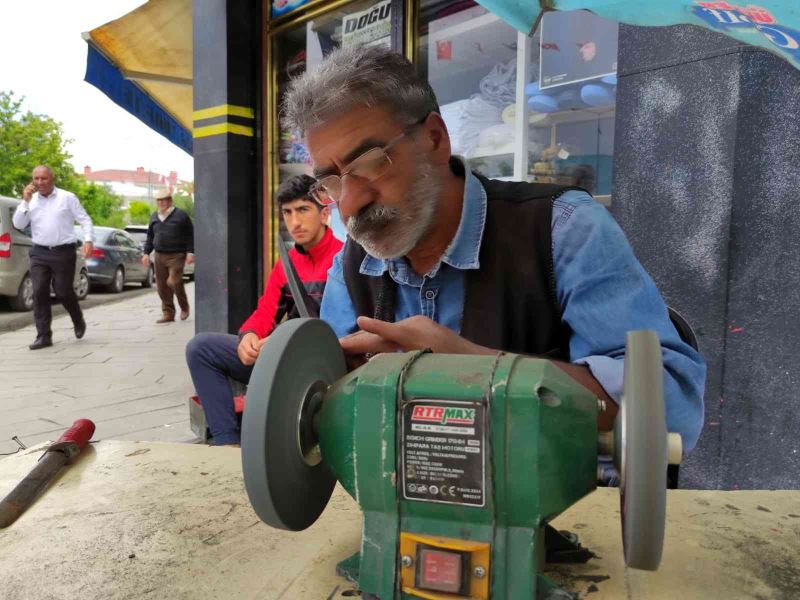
(28, 140)
(139, 212)
(100, 202)
(183, 201)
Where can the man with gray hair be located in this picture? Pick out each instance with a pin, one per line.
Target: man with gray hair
(440, 257)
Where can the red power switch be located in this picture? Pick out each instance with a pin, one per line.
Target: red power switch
(441, 571)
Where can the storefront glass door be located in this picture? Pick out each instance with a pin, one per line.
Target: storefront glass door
(304, 47)
(524, 108)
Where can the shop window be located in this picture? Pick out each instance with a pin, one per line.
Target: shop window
(304, 47)
(469, 57)
(536, 108)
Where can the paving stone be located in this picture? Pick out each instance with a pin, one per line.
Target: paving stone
(128, 374)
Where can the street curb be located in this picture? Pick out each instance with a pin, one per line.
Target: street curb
(23, 319)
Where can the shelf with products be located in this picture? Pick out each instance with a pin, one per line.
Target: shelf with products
(574, 147)
(578, 115)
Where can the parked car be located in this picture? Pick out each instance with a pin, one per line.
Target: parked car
(15, 277)
(117, 260)
(139, 233)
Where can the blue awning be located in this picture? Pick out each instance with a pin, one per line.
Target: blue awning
(143, 62)
(106, 77)
(770, 24)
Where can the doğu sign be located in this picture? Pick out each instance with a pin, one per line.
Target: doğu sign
(368, 27)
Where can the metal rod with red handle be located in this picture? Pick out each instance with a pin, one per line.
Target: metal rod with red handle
(71, 442)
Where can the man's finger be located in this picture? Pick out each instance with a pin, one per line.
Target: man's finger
(402, 334)
(362, 342)
(380, 328)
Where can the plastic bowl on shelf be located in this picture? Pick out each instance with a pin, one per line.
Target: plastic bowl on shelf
(597, 95)
(570, 99)
(543, 104)
(532, 89)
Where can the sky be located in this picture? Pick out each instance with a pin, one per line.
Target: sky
(43, 58)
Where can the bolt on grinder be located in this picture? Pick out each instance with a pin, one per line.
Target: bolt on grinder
(458, 462)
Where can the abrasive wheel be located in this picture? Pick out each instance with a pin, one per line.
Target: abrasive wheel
(641, 452)
(286, 480)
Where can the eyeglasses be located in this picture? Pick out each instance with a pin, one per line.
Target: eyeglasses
(371, 165)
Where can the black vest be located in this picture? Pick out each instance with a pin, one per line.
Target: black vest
(510, 302)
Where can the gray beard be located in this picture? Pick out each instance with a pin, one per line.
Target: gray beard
(388, 233)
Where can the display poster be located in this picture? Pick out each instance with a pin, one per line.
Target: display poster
(370, 27)
(576, 46)
(282, 7)
(443, 445)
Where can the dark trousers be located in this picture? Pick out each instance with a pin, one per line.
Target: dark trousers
(212, 359)
(169, 281)
(56, 267)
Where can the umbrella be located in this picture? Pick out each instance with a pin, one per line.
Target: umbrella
(772, 24)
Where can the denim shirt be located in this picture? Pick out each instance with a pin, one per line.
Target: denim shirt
(603, 291)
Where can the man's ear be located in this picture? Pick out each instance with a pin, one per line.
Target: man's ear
(326, 213)
(438, 138)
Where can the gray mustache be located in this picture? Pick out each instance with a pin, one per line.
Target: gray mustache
(374, 214)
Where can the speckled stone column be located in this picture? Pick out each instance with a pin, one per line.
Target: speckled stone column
(706, 185)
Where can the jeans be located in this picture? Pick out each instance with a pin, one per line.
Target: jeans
(212, 359)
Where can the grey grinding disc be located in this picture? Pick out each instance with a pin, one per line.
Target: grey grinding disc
(286, 481)
(642, 453)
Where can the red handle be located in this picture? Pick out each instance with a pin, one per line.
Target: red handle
(80, 433)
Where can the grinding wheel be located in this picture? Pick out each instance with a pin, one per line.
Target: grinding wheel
(286, 480)
(641, 452)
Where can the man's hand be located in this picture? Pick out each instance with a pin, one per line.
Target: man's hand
(146, 260)
(88, 247)
(414, 333)
(28, 192)
(189, 258)
(417, 333)
(249, 347)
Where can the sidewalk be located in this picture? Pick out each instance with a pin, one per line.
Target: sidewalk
(127, 374)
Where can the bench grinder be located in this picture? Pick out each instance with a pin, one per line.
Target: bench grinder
(458, 462)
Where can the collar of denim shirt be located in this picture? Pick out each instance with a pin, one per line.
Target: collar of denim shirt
(463, 251)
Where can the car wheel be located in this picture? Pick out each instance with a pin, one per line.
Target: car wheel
(150, 279)
(118, 282)
(82, 289)
(23, 301)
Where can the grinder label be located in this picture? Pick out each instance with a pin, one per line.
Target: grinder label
(444, 452)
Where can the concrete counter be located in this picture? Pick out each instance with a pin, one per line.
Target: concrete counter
(148, 520)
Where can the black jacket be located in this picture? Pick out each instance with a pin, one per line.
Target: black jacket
(174, 234)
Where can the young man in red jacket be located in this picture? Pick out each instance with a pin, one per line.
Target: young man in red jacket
(214, 357)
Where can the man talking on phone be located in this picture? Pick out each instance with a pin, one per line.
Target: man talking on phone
(51, 212)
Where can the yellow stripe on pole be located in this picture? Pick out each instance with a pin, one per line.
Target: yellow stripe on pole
(224, 109)
(222, 128)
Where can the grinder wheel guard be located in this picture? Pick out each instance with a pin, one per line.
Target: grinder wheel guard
(641, 452)
(286, 481)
